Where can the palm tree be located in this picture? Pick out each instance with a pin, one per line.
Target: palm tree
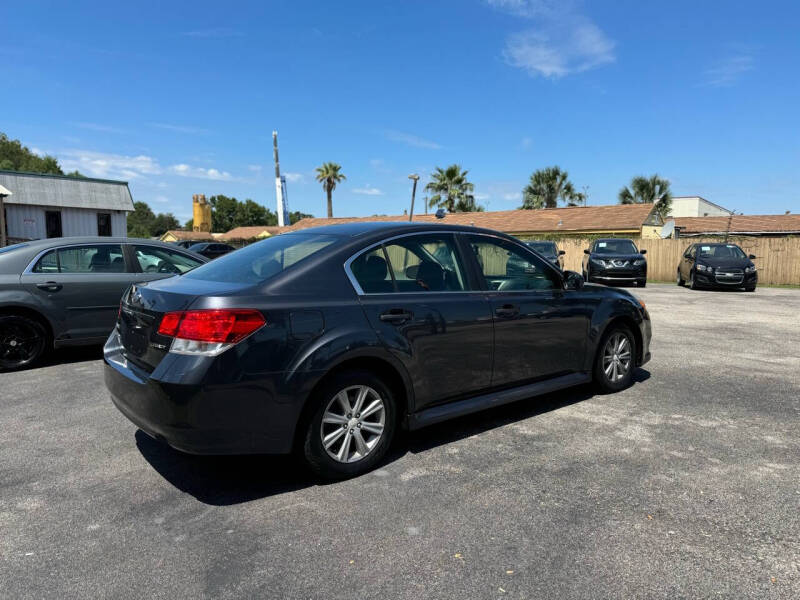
(452, 191)
(547, 186)
(329, 174)
(646, 190)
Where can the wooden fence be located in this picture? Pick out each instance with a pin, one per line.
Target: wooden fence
(778, 259)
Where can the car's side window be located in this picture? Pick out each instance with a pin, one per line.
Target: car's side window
(47, 264)
(155, 259)
(371, 270)
(508, 268)
(104, 258)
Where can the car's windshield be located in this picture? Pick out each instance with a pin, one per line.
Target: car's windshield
(720, 251)
(614, 247)
(544, 248)
(262, 260)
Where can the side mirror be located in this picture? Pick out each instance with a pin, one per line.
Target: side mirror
(586, 251)
(642, 251)
(752, 257)
(573, 280)
(562, 252)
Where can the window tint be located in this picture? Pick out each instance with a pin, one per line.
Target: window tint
(614, 247)
(154, 259)
(262, 260)
(721, 251)
(544, 248)
(506, 267)
(47, 264)
(91, 259)
(425, 263)
(372, 272)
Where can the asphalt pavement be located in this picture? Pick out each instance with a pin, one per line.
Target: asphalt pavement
(685, 485)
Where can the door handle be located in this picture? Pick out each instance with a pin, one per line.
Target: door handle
(507, 311)
(396, 316)
(49, 286)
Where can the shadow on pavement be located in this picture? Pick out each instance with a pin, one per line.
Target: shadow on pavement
(226, 480)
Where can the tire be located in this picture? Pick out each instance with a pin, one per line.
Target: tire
(681, 282)
(750, 289)
(641, 283)
(586, 276)
(692, 283)
(336, 462)
(23, 342)
(611, 382)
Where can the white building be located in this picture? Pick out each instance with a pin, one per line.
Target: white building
(45, 206)
(695, 206)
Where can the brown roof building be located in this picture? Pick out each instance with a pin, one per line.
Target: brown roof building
(247, 233)
(756, 225)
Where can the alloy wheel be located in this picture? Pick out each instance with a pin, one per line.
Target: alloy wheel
(353, 423)
(617, 357)
(20, 343)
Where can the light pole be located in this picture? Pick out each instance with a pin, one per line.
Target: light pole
(3, 194)
(415, 178)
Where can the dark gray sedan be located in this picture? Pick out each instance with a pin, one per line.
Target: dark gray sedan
(66, 291)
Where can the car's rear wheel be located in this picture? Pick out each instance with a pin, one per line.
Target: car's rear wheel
(352, 425)
(23, 341)
(615, 359)
(681, 282)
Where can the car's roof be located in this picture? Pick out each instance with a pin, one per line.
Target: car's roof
(384, 228)
(91, 239)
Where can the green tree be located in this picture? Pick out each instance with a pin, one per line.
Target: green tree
(329, 174)
(189, 225)
(223, 212)
(296, 215)
(452, 191)
(547, 186)
(141, 220)
(651, 189)
(16, 157)
(250, 213)
(162, 223)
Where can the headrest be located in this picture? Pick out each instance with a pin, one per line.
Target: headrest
(430, 275)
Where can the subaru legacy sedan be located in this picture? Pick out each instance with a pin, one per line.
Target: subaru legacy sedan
(325, 341)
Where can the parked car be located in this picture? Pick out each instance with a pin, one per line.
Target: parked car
(211, 250)
(66, 291)
(186, 244)
(717, 266)
(327, 340)
(550, 251)
(615, 260)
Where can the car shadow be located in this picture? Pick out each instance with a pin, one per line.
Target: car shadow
(71, 354)
(228, 480)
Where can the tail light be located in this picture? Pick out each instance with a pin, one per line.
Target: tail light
(209, 332)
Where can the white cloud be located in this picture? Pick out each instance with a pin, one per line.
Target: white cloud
(100, 164)
(376, 162)
(294, 177)
(162, 199)
(255, 168)
(179, 128)
(410, 140)
(185, 170)
(512, 196)
(727, 72)
(97, 127)
(368, 191)
(525, 143)
(481, 196)
(38, 151)
(561, 42)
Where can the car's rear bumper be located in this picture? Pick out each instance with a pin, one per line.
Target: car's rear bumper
(199, 418)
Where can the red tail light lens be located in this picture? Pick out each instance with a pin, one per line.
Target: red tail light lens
(224, 326)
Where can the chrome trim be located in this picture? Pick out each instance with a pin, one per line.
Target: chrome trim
(348, 271)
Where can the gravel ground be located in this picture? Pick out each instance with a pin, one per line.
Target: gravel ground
(685, 485)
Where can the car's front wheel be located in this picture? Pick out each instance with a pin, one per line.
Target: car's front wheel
(692, 282)
(23, 341)
(681, 282)
(615, 359)
(352, 425)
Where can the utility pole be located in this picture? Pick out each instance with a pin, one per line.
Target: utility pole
(426, 203)
(279, 192)
(3, 194)
(415, 178)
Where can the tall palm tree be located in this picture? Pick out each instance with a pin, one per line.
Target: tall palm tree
(452, 191)
(547, 186)
(646, 190)
(329, 174)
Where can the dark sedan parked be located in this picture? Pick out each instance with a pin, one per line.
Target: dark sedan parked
(326, 340)
(615, 260)
(550, 251)
(211, 250)
(717, 266)
(66, 291)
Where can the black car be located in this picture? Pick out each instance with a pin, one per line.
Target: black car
(324, 341)
(717, 266)
(615, 260)
(550, 251)
(66, 291)
(187, 243)
(211, 250)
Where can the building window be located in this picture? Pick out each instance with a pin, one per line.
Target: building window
(53, 223)
(104, 224)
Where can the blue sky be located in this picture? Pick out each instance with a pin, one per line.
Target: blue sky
(182, 98)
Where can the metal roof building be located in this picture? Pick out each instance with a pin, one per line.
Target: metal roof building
(44, 206)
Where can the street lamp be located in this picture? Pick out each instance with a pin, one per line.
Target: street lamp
(415, 178)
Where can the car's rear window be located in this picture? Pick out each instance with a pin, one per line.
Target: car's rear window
(545, 248)
(262, 260)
